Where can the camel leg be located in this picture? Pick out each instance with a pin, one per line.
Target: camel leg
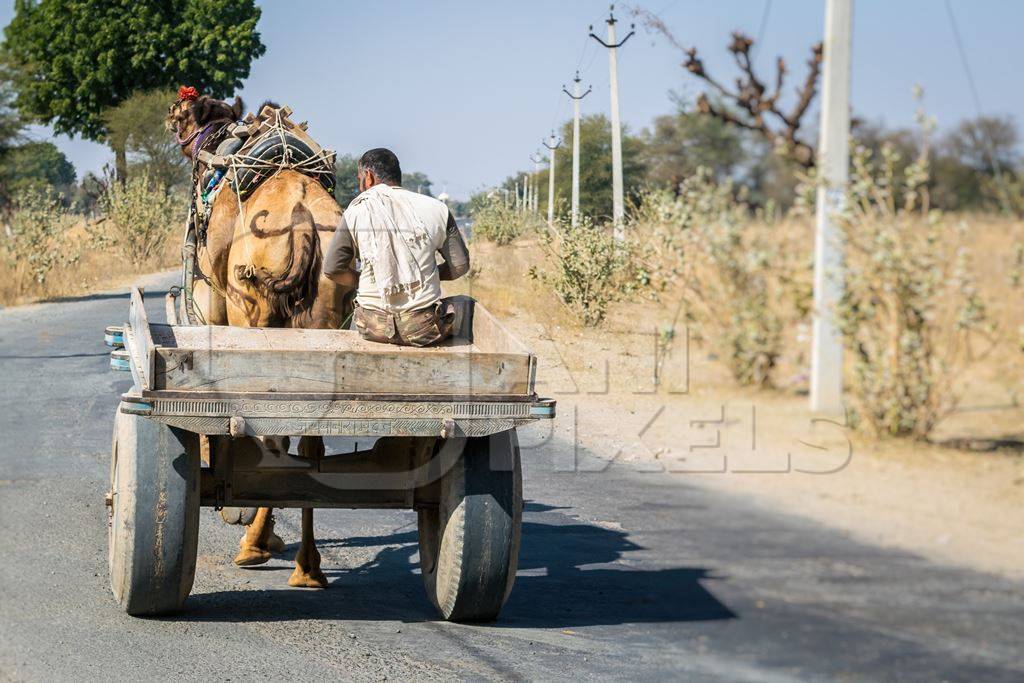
(277, 445)
(307, 572)
(211, 306)
(260, 541)
(254, 546)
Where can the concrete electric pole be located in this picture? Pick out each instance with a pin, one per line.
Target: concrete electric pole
(618, 202)
(576, 97)
(833, 163)
(536, 158)
(552, 146)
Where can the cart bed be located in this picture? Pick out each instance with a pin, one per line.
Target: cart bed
(262, 381)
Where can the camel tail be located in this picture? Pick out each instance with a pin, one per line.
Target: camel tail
(293, 291)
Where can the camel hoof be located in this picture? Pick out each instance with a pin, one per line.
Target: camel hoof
(250, 557)
(311, 579)
(274, 543)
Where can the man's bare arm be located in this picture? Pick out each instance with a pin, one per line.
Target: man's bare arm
(338, 258)
(454, 252)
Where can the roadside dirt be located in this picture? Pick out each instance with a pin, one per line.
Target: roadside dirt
(954, 506)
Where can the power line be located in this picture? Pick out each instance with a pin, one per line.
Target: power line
(989, 145)
(761, 28)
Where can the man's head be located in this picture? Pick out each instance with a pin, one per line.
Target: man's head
(379, 166)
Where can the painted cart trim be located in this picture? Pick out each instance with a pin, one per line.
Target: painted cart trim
(337, 418)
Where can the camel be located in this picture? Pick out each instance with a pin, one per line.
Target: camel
(260, 267)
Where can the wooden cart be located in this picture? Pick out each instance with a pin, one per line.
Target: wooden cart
(440, 427)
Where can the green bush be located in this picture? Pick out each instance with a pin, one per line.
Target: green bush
(140, 217)
(741, 280)
(910, 315)
(495, 220)
(589, 269)
(35, 240)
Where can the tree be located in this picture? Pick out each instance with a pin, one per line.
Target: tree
(346, 168)
(596, 167)
(35, 166)
(984, 143)
(72, 60)
(10, 121)
(136, 127)
(678, 144)
(595, 171)
(10, 133)
(417, 182)
(753, 104)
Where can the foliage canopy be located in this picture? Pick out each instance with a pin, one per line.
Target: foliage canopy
(74, 59)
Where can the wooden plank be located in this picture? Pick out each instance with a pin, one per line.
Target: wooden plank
(341, 371)
(263, 338)
(143, 351)
(329, 396)
(284, 360)
(489, 334)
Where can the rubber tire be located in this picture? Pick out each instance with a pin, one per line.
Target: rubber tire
(272, 151)
(469, 544)
(154, 515)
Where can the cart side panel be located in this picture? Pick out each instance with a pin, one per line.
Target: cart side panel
(489, 334)
(402, 371)
(139, 342)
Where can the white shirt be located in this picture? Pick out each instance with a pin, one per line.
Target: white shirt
(434, 216)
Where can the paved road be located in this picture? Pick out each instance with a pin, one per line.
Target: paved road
(623, 575)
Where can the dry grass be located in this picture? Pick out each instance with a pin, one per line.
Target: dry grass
(633, 329)
(97, 269)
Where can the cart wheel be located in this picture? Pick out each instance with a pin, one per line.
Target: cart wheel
(153, 505)
(469, 544)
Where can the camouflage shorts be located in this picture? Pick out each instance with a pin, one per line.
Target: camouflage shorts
(421, 327)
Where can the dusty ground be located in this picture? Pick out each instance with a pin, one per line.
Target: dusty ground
(956, 506)
(97, 269)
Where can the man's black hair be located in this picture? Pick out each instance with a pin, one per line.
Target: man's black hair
(384, 165)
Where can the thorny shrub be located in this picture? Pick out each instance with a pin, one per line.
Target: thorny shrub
(742, 279)
(588, 268)
(911, 315)
(36, 239)
(139, 219)
(500, 222)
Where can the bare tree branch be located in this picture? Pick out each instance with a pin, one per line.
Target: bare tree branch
(754, 105)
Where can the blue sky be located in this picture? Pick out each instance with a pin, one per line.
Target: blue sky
(465, 90)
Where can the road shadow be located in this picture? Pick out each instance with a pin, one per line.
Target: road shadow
(1011, 443)
(570, 574)
(103, 296)
(56, 356)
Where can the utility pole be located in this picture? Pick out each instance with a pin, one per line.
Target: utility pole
(552, 146)
(536, 158)
(618, 202)
(576, 97)
(833, 163)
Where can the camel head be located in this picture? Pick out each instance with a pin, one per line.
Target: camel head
(193, 116)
